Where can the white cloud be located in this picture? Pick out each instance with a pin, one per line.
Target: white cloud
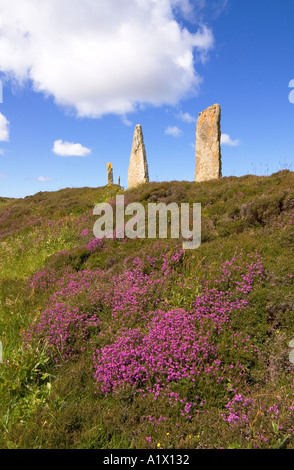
(99, 56)
(173, 130)
(4, 128)
(209, 9)
(226, 140)
(69, 149)
(186, 117)
(44, 178)
(126, 121)
(3, 175)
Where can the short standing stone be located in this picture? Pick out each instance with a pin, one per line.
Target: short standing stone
(208, 151)
(109, 173)
(138, 167)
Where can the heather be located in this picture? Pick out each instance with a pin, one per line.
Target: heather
(138, 344)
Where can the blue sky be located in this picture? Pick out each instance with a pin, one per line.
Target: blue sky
(78, 76)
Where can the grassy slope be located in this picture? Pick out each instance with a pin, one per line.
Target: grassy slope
(43, 404)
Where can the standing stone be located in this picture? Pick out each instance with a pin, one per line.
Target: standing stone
(208, 151)
(138, 167)
(109, 173)
(118, 181)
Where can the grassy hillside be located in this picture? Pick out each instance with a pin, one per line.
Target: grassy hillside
(137, 344)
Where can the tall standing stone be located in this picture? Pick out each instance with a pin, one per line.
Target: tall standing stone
(208, 151)
(109, 173)
(138, 167)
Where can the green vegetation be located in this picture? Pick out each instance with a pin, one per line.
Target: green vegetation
(135, 344)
